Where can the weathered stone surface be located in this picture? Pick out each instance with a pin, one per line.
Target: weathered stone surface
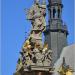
(68, 53)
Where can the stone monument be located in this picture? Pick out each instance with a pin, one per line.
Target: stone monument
(35, 56)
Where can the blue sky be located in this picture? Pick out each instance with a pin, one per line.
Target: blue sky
(13, 28)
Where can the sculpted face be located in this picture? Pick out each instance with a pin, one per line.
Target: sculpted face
(43, 11)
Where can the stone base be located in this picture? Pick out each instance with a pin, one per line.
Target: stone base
(37, 73)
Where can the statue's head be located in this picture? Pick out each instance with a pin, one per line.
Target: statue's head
(36, 1)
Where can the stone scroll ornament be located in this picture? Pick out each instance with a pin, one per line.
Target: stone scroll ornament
(34, 52)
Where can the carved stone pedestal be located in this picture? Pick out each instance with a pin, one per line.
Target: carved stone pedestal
(34, 73)
(35, 70)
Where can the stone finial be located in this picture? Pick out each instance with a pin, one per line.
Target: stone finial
(43, 2)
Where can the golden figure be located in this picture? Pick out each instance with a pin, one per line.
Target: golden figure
(65, 69)
(45, 47)
(69, 72)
